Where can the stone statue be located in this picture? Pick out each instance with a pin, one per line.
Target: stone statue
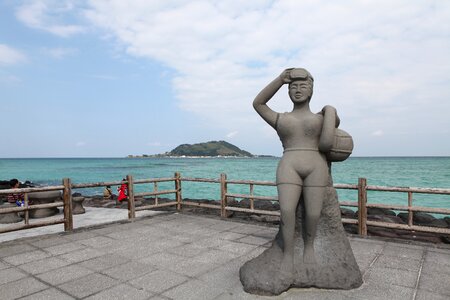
(308, 201)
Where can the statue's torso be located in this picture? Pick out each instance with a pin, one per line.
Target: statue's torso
(300, 131)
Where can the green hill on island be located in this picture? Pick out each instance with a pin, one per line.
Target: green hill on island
(213, 148)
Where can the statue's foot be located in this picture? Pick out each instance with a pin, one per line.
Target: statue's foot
(308, 256)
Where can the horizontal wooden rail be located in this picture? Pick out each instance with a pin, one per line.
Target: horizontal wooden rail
(32, 190)
(267, 183)
(145, 207)
(31, 207)
(162, 192)
(206, 205)
(408, 227)
(33, 225)
(408, 189)
(412, 208)
(348, 203)
(96, 184)
(267, 198)
(253, 211)
(200, 179)
(152, 180)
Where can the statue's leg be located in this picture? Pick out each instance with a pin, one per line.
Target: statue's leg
(288, 195)
(313, 199)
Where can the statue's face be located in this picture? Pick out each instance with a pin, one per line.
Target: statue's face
(300, 91)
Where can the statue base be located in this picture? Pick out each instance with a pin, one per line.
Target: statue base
(335, 266)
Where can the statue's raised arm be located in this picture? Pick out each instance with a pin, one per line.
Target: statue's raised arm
(260, 102)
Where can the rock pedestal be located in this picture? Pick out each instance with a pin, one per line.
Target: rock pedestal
(335, 266)
(44, 198)
(77, 205)
(8, 218)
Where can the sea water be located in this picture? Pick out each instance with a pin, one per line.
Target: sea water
(430, 172)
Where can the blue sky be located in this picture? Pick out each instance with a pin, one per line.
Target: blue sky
(111, 78)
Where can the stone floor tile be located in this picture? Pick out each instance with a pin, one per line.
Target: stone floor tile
(26, 286)
(188, 250)
(435, 282)
(427, 295)
(79, 235)
(104, 262)
(88, 285)
(64, 274)
(81, 255)
(398, 262)
(64, 248)
(162, 259)
(195, 290)
(400, 250)
(23, 258)
(128, 271)
(159, 281)
(218, 257)
(391, 276)
(438, 258)
(10, 249)
(97, 242)
(48, 294)
(49, 241)
(43, 265)
(122, 291)
(11, 275)
(253, 240)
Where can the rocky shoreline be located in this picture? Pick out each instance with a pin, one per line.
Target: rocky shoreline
(373, 214)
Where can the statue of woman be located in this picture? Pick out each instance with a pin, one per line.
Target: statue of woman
(306, 138)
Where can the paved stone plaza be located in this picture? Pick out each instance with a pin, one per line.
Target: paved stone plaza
(181, 256)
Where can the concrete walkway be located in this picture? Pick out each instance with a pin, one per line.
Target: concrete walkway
(92, 216)
(180, 256)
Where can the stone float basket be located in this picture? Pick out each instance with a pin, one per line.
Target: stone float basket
(44, 198)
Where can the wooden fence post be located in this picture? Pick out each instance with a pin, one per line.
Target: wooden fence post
(362, 208)
(410, 212)
(223, 195)
(178, 189)
(67, 198)
(131, 207)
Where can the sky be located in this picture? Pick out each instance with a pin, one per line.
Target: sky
(98, 78)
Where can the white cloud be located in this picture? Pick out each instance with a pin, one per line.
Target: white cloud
(232, 134)
(60, 52)
(49, 15)
(10, 56)
(378, 133)
(369, 58)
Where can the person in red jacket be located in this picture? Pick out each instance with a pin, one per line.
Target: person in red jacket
(123, 191)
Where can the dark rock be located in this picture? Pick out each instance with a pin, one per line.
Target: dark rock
(351, 228)
(379, 211)
(445, 239)
(77, 195)
(438, 223)
(245, 203)
(384, 232)
(347, 213)
(422, 218)
(386, 218)
(447, 219)
(336, 267)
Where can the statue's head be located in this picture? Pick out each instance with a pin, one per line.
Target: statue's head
(301, 85)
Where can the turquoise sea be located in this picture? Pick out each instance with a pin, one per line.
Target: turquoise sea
(385, 171)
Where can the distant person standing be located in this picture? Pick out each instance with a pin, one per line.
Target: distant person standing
(107, 193)
(17, 198)
(123, 191)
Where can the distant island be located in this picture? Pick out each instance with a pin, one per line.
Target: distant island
(208, 149)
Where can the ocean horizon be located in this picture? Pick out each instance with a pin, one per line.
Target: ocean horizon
(401, 171)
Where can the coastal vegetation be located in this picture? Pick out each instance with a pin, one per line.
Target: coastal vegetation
(208, 149)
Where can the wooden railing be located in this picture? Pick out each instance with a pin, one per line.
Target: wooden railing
(362, 188)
